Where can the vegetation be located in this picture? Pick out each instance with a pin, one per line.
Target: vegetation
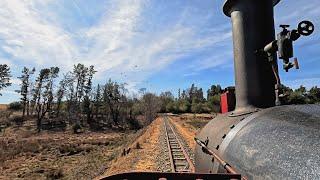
(300, 95)
(76, 102)
(15, 106)
(192, 100)
(4, 76)
(50, 100)
(25, 89)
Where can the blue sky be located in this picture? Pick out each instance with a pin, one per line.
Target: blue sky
(157, 44)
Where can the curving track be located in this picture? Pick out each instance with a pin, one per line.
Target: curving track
(179, 159)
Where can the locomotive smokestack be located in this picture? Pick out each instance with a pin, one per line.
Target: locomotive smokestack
(274, 143)
(253, 28)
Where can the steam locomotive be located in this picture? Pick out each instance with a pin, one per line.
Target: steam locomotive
(260, 139)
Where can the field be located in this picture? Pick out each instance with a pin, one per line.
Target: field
(57, 154)
(3, 107)
(64, 155)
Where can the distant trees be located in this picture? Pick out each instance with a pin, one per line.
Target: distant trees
(300, 95)
(114, 98)
(314, 95)
(77, 102)
(76, 88)
(4, 76)
(15, 106)
(192, 100)
(151, 106)
(213, 98)
(165, 99)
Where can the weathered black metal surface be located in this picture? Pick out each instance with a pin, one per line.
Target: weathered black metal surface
(276, 143)
(170, 176)
(228, 4)
(253, 28)
(216, 130)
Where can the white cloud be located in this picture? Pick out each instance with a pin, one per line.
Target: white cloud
(29, 38)
(15, 81)
(4, 92)
(115, 45)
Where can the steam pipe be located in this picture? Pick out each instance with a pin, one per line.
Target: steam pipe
(252, 28)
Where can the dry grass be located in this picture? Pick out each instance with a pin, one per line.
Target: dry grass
(48, 155)
(142, 158)
(187, 133)
(189, 125)
(3, 107)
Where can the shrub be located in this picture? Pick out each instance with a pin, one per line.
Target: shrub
(55, 174)
(138, 146)
(76, 128)
(15, 106)
(18, 120)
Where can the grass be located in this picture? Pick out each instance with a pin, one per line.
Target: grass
(144, 148)
(52, 155)
(197, 123)
(3, 106)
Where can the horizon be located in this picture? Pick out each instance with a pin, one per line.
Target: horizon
(160, 46)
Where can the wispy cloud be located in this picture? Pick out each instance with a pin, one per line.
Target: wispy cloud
(15, 81)
(27, 38)
(127, 40)
(122, 44)
(7, 92)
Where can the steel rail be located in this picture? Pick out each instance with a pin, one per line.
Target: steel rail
(174, 146)
(169, 149)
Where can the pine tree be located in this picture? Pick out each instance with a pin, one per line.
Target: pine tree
(44, 93)
(87, 90)
(4, 76)
(97, 100)
(25, 89)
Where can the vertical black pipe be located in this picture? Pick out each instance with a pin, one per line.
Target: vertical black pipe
(253, 28)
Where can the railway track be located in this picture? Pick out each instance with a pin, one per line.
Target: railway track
(179, 159)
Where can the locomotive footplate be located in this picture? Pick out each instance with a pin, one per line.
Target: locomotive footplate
(169, 176)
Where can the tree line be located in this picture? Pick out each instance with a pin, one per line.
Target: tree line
(72, 98)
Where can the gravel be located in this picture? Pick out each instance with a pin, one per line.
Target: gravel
(163, 158)
(163, 162)
(189, 151)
